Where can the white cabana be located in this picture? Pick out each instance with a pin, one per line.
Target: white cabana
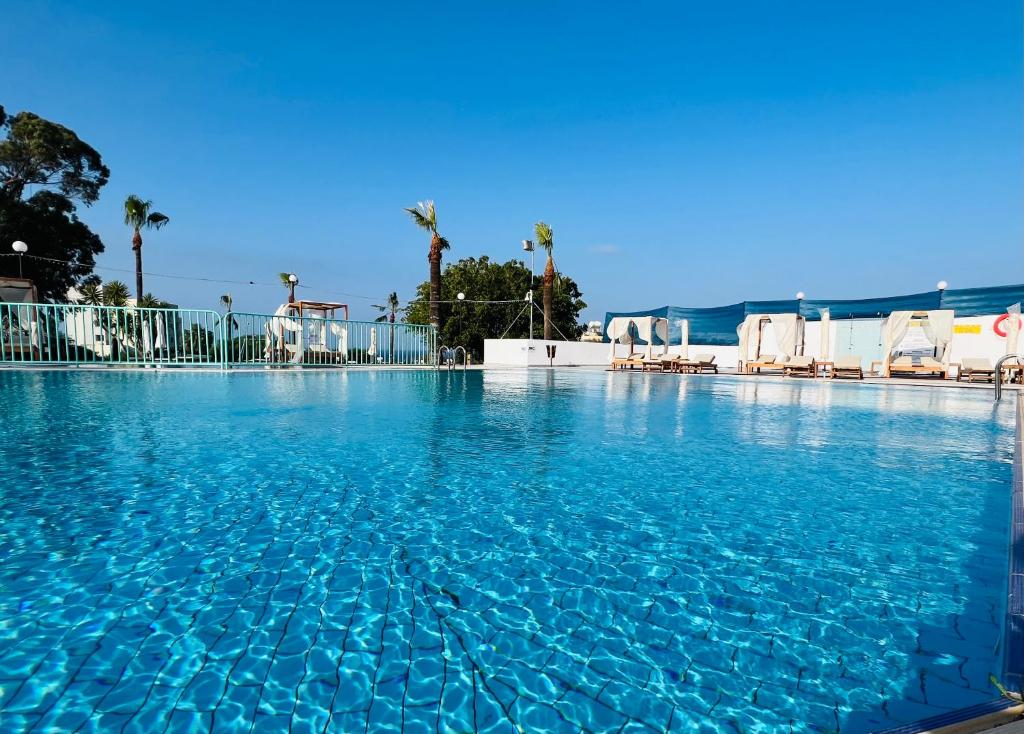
(684, 338)
(937, 326)
(789, 335)
(620, 330)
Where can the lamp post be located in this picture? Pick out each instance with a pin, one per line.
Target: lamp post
(462, 297)
(528, 247)
(800, 295)
(293, 280)
(942, 285)
(21, 248)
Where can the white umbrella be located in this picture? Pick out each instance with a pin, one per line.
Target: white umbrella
(372, 350)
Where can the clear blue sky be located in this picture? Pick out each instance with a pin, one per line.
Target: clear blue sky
(685, 153)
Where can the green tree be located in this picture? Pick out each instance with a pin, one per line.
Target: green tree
(51, 162)
(388, 312)
(546, 242)
(37, 152)
(139, 215)
(494, 305)
(424, 215)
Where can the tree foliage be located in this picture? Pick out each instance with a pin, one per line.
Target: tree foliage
(468, 323)
(44, 170)
(48, 223)
(37, 152)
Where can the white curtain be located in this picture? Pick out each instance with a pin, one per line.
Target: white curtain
(341, 331)
(161, 333)
(617, 331)
(938, 328)
(275, 328)
(894, 328)
(684, 338)
(826, 326)
(786, 333)
(1013, 328)
(661, 329)
(744, 330)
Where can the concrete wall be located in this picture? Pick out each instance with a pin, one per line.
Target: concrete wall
(973, 337)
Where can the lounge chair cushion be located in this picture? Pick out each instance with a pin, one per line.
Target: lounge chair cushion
(847, 363)
(976, 364)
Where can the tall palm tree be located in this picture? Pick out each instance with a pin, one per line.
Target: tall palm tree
(546, 241)
(139, 215)
(425, 216)
(388, 311)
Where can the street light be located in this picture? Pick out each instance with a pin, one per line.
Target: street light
(21, 248)
(528, 247)
(800, 295)
(293, 280)
(942, 285)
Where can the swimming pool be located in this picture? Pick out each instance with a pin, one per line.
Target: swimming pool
(552, 550)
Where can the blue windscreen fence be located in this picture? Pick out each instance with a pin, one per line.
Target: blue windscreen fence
(717, 326)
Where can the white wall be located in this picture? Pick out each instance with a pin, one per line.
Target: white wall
(513, 352)
(973, 337)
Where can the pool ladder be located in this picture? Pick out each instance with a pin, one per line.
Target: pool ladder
(998, 377)
(448, 356)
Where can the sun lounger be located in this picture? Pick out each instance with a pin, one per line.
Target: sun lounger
(925, 367)
(764, 362)
(799, 365)
(849, 366)
(975, 368)
(636, 359)
(706, 363)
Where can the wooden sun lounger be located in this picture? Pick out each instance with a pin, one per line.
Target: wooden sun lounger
(634, 360)
(847, 367)
(700, 364)
(803, 366)
(764, 362)
(975, 368)
(929, 367)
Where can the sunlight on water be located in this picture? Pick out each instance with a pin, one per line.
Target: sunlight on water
(495, 551)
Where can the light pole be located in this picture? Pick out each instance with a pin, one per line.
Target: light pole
(942, 285)
(21, 248)
(293, 280)
(528, 246)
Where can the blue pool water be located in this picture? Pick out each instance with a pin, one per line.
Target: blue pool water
(494, 552)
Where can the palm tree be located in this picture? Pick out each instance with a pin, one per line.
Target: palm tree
(425, 216)
(139, 215)
(546, 241)
(388, 311)
(115, 293)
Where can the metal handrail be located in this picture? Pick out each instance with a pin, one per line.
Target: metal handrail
(450, 357)
(999, 373)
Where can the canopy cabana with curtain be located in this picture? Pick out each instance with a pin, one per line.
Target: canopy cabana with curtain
(647, 329)
(937, 326)
(789, 336)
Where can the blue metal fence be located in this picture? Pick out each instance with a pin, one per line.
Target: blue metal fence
(81, 334)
